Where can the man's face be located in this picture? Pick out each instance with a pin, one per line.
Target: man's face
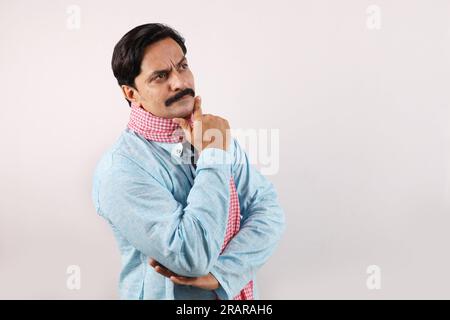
(164, 77)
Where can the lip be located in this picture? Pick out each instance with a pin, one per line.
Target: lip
(184, 97)
(180, 99)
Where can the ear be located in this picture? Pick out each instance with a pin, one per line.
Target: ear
(131, 94)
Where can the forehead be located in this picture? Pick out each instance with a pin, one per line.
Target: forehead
(161, 55)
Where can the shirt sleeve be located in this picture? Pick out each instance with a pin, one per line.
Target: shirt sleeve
(187, 240)
(262, 225)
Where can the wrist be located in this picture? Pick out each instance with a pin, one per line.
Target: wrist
(215, 284)
(214, 157)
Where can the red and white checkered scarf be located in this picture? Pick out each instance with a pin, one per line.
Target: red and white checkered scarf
(159, 129)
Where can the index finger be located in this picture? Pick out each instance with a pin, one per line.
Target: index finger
(165, 272)
(197, 116)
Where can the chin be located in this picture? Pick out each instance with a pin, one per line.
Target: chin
(182, 109)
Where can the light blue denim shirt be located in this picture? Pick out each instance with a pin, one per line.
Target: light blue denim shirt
(159, 206)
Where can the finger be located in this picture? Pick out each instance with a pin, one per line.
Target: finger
(197, 116)
(183, 280)
(152, 262)
(185, 126)
(183, 123)
(155, 263)
(165, 272)
(160, 268)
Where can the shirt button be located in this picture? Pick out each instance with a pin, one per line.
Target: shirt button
(178, 150)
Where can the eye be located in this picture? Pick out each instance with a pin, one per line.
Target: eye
(161, 75)
(184, 65)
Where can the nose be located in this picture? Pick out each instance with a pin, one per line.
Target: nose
(177, 81)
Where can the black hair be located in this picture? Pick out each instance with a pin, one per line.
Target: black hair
(129, 51)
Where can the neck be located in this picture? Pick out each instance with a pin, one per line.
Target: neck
(152, 127)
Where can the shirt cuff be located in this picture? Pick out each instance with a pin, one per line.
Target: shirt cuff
(221, 293)
(211, 157)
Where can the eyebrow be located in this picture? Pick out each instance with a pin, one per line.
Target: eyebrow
(154, 73)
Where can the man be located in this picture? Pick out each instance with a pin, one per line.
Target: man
(192, 218)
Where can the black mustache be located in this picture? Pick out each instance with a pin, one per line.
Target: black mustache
(179, 95)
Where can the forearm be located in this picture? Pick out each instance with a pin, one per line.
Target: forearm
(185, 239)
(250, 248)
(207, 207)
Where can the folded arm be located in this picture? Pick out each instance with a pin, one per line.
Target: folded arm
(186, 240)
(262, 225)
